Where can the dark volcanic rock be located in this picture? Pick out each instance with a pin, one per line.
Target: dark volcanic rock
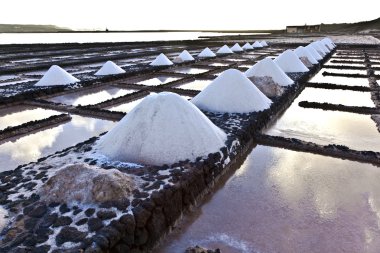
(105, 214)
(89, 212)
(38, 211)
(69, 234)
(62, 221)
(94, 224)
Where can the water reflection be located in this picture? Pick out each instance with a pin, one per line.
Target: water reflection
(192, 71)
(14, 152)
(17, 115)
(350, 81)
(195, 85)
(286, 201)
(91, 97)
(158, 80)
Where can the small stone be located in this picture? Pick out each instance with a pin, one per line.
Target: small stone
(64, 209)
(49, 220)
(106, 215)
(41, 249)
(69, 234)
(94, 224)
(89, 212)
(62, 221)
(77, 211)
(38, 211)
(81, 222)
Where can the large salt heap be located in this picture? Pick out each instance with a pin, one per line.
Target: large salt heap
(318, 48)
(237, 48)
(325, 49)
(305, 56)
(231, 92)
(109, 68)
(224, 50)
(162, 129)
(56, 76)
(257, 44)
(328, 43)
(183, 57)
(161, 60)
(268, 77)
(289, 62)
(247, 46)
(264, 43)
(206, 53)
(314, 52)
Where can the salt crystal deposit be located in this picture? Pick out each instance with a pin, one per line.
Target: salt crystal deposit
(87, 184)
(183, 57)
(56, 76)
(328, 43)
(224, 50)
(257, 44)
(314, 52)
(162, 129)
(232, 92)
(247, 46)
(237, 48)
(323, 47)
(264, 43)
(305, 56)
(289, 62)
(267, 67)
(109, 68)
(318, 48)
(206, 53)
(161, 60)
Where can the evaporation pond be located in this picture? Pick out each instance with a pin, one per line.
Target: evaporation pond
(286, 201)
(158, 80)
(190, 70)
(345, 71)
(343, 97)
(357, 131)
(350, 81)
(17, 115)
(91, 97)
(29, 148)
(195, 85)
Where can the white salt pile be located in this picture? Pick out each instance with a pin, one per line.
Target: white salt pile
(289, 62)
(184, 56)
(56, 76)
(162, 129)
(305, 56)
(232, 92)
(314, 52)
(224, 50)
(257, 44)
(161, 60)
(247, 46)
(323, 47)
(237, 48)
(328, 43)
(318, 48)
(267, 68)
(109, 68)
(206, 53)
(264, 43)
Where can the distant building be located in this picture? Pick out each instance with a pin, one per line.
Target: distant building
(303, 29)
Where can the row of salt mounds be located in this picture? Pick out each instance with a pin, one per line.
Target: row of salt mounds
(184, 57)
(162, 129)
(314, 52)
(318, 48)
(247, 46)
(305, 56)
(269, 77)
(56, 76)
(237, 48)
(264, 43)
(257, 44)
(328, 42)
(232, 92)
(206, 53)
(224, 50)
(289, 62)
(323, 47)
(109, 68)
(161, 60)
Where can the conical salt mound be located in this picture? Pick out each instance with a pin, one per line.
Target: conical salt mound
(224, 50)
(257, 44)
(323, 47)
(206, 53)
(314, 52)
(302, 52)
(247, 46)
(231, 92)
(267, 68)
(328, 43)
(161, 60)
(318, 48)
(264, 43)
(162, 129)
(109, 68)
(237, 48)
(56, 76)
(186, 56)
(289, 62)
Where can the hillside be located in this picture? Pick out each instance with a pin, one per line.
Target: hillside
(15, 28)
(352, 27)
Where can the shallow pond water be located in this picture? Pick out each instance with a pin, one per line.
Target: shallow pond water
(345, 71)
(286, 201)
(17, 151)
(17, 115)
(357, 131)
(190, 70)
(350, 81)
(92, 96)
(158, 80)
(195, 85)
(353, 64)
(343, 97)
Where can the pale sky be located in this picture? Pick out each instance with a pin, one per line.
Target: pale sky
(191, 14)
